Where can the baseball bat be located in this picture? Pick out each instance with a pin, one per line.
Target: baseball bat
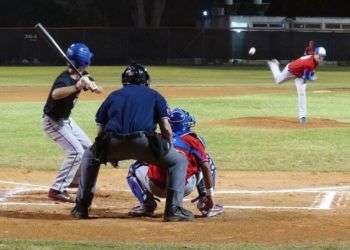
(41, 30)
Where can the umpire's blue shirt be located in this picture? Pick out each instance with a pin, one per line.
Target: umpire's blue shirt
(132, 108)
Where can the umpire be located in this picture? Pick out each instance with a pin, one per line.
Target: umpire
(126, 122)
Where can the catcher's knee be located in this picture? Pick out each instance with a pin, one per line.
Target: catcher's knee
(190, 185)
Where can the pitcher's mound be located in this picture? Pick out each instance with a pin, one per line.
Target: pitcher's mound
(280, 122)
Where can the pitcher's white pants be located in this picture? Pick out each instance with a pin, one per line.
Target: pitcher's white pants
(284, 75)
(73, 140)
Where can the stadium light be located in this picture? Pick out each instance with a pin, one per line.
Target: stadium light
(205, 13)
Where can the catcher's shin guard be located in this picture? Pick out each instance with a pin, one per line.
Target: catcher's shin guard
(136, 187)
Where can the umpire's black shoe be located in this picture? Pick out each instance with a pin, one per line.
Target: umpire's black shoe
(175, 213)
(80, 212)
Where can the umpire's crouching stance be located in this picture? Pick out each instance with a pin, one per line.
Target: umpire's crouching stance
(127, 120)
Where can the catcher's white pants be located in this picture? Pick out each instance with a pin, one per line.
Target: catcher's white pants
(141, 175)
(284, 75)
(73, 140)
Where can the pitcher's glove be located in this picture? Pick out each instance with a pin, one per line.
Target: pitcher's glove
(207, 207)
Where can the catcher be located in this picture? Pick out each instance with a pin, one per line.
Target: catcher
(147, 180)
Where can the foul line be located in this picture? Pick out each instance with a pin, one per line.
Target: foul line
(327, 200)
(296, 190)
(5, 204)
(13, 192)
(273, 208)
(325, 203)
(23, 184)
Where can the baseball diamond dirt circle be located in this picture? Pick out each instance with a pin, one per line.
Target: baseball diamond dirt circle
(261, 207)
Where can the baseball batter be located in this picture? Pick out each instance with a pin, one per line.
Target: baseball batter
(60, 127)
(301, 70)
(148, 180)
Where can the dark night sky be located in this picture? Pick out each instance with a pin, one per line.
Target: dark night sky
(118, 12)
(340, 8)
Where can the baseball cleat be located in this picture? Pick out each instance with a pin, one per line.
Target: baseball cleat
(80, 212)
(139, 211)
(56, 195)
(145, 209)
(178, 214)
(214, 211)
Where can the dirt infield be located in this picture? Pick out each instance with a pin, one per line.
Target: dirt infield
(33, 94)
(279, 122)
(261, 207)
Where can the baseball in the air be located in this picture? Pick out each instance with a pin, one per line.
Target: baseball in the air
(252, 51)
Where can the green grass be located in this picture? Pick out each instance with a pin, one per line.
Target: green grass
(24, 144)
(328, 76)
(52, 245)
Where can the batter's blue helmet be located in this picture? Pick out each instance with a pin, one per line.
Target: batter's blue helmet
(181, 121)
(79, 54)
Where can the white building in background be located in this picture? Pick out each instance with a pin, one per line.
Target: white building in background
(226, 14)
(251, 23)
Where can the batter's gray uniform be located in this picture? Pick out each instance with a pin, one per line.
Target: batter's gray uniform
(73, 140)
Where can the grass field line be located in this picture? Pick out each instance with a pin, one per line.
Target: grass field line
(15, 191)
(274, 208)
(5, 204)
(297, 190)
(327, 200)
(237, 191)
(322, 201)
(23, 184)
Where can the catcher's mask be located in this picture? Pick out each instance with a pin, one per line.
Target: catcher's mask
(135, 74)
(181, 121)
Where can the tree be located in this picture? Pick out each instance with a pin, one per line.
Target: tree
(148, 15)
(81, 12)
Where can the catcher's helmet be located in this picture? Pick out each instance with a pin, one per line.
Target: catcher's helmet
(181, 121)
(79, 54)
(135, 74)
